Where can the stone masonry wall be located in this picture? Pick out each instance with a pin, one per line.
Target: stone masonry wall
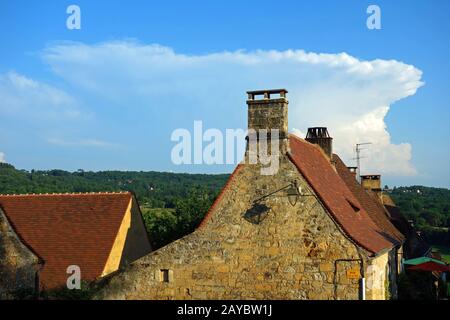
(377, 277)
(18, 265)
(293, 253)
(381, 276)
(268, 114)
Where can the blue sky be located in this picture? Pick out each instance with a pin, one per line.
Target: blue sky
(79, 99)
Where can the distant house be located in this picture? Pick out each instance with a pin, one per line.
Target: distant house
(307, 231)
(42, 235)
(415, 246)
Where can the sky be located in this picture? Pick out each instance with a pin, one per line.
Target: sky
(111, 94)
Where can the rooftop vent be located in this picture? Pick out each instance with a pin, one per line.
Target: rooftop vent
(267, 94)
(321, 137)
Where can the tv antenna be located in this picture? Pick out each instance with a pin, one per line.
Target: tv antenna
(358, 158)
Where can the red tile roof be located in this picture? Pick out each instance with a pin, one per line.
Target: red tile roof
(369, 200)
(67, 229)
(316, 168)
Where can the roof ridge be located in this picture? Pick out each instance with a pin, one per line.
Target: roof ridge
(64, 194)
(369, 200)
(312, 144)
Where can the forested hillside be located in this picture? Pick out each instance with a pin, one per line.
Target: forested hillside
(174, 203)
(428, 208)
(153, 189)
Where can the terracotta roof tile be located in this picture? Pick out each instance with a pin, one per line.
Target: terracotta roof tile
(369, 200)
(67, 229)
(336, 196)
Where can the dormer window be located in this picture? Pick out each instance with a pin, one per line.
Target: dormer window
(354, 206)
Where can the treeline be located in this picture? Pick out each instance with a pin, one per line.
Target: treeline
(166, 225)
(173, 204)
(425, 206)
(152, 189)
(429, 210)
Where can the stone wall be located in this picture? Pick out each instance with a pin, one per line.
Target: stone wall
(294, 252)
(382, 275)
(18, 265)
(377, 277)
(371, 182)
(268, 114)
(395, 268)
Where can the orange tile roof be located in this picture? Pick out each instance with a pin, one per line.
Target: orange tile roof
(67, 229)
(336, 196)
(369, 200)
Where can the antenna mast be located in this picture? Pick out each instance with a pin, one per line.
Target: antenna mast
(358, 158)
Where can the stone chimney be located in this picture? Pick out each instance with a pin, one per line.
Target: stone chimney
(268, 109)
(372, 182)
(321, 137)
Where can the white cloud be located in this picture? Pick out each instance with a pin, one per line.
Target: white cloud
(2, 157)
(80, 143)
(348, 95)
(26, 98)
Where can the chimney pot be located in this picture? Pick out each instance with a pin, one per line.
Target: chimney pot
(321, 137)
(267, 93)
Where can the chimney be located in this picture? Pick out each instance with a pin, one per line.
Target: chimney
(268, 109)
(353, 170)
(321, 137)
(372, 182)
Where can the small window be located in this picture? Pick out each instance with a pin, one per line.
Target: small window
(164, 275)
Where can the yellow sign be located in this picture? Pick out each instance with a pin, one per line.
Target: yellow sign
(353, 274)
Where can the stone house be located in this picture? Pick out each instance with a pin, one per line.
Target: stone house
(41, 235)
(306, 231)
(19, 265)
(415, 246)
